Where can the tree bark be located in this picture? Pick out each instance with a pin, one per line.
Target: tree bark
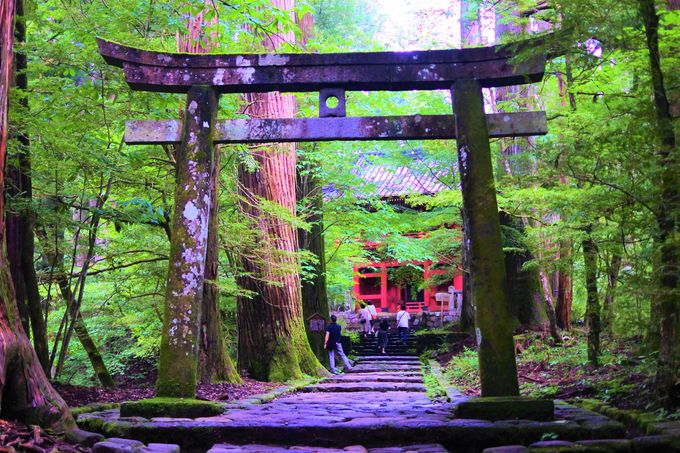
(180, 346)
(608, 303)
(214, 361)
(564, 287)
(314, 293)
(668, 301)
(497, 367)
(593, 302)
(272, 343)
(20, 225)
(25, 392)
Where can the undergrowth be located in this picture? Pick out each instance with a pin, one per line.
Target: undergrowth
(623, 378)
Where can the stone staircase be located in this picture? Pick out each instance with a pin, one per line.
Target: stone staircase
(379, 406)
(368, 347)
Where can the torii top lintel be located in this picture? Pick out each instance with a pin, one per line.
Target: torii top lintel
(375, 71)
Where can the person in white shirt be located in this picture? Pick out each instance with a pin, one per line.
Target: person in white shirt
(368, 314)
(402, 324)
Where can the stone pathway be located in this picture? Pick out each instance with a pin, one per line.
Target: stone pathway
(381, 405)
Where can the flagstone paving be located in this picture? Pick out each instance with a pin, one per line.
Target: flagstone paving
(380, 404)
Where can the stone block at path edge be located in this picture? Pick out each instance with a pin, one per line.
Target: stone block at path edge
(84, 438)
(507, 449)
(117, 445)
(170, 407)
(506, 408)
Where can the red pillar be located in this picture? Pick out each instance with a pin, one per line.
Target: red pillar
(426, 276)
(383, 285)
(355, 270)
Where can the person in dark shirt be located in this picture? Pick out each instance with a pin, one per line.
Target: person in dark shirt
(333, 344)
(382, 335)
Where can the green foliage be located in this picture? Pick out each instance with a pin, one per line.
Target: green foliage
(597, 166)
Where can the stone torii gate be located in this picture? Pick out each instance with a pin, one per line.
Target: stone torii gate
(203, 77)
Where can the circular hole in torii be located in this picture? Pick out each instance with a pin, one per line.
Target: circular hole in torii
(332, 102)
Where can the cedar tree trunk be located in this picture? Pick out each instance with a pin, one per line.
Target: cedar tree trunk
(593, 302)
(21, 225)
(668, 298)
(314, 295)
(272, 343)
(25, 392)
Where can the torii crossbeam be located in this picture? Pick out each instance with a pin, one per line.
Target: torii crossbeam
(203, 77)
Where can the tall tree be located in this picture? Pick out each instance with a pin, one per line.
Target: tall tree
(25, 392)
(21, 221)
(309, 193)
(668, 208)
(593, 301)
(272, 343)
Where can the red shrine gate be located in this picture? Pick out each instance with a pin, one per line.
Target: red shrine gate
(204, 77)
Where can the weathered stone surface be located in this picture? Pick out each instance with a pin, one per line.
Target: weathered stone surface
(421, 127)
(425, 448)
(84, 438)
(507, 449)
(430, 70)
(110, 447)
(366, 387)
(117, 445)
(501, 408)
(652, 444)
(551, 444)
(608, 445)
(331, 420)
(160, 448)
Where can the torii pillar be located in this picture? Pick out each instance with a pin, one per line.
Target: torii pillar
(178, 366)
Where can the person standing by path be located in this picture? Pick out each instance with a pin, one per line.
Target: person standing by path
(402, 324)
(333, 343)
(382, 335)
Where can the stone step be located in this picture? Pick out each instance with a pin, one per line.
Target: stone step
(388, 357)
(380, 354)
(376, 377)
(364, 387)
(257, 448)
(390, 362)
(383, 368)
(372, 419)
(395, 349)
(370, 375)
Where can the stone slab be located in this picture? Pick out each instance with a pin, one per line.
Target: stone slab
(375, 377)
(388, 357)
(504, 408)
(365, 387)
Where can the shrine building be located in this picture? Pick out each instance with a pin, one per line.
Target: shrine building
(372, 279)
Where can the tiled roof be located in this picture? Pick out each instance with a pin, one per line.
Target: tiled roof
(390, 181)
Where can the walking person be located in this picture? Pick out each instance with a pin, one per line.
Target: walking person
(368, 314)
(382, 335)
(334, 344)
(402, 324)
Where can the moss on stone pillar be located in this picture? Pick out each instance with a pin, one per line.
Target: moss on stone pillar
(178, 366)
(494, 323)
